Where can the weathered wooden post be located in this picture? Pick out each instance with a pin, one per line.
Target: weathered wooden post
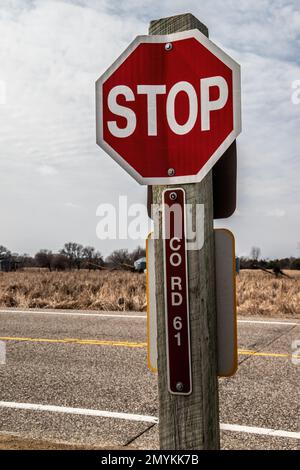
(192, 421)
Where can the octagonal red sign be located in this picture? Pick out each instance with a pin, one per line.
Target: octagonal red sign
(169, 107)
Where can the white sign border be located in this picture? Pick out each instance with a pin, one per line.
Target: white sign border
(237, 126)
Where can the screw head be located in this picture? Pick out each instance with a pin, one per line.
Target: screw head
(179, 386)
(173, 196)
(171, 172)
(168, 46)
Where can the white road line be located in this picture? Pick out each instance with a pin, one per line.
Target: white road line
(44, 312)
(269, 322)
(123, 315)
(261, 431)
(142, 418)
(78, 411)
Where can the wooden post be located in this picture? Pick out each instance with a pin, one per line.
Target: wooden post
(190, 422)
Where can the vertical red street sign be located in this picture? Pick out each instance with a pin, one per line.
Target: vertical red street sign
(176, 293)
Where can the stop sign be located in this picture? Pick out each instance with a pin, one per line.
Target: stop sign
(169, 107)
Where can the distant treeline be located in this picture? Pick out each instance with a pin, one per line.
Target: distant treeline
(283, 263)
(76, 256)
(71, 256)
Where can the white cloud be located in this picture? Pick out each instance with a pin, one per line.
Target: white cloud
(46, 170)
(71, 205)
(276, 213)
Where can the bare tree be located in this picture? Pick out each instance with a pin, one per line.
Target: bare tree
(138, 253)
(60, 262)
(255, 253)
(73, 251)
(119, 258)
(24, 260)
(4, 252)
(92, 259)
(44, 258)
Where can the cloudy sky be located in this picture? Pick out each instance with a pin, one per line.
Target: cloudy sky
(52, 174)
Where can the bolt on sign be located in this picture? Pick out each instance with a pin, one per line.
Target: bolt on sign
(169, 107)
(176, 292)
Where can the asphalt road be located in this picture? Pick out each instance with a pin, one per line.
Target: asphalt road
(82, 378)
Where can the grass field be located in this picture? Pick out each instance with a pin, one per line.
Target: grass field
(258, 293)
(95, 290)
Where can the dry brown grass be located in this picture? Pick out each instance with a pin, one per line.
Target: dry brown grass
(258, 293)
(92, 290)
